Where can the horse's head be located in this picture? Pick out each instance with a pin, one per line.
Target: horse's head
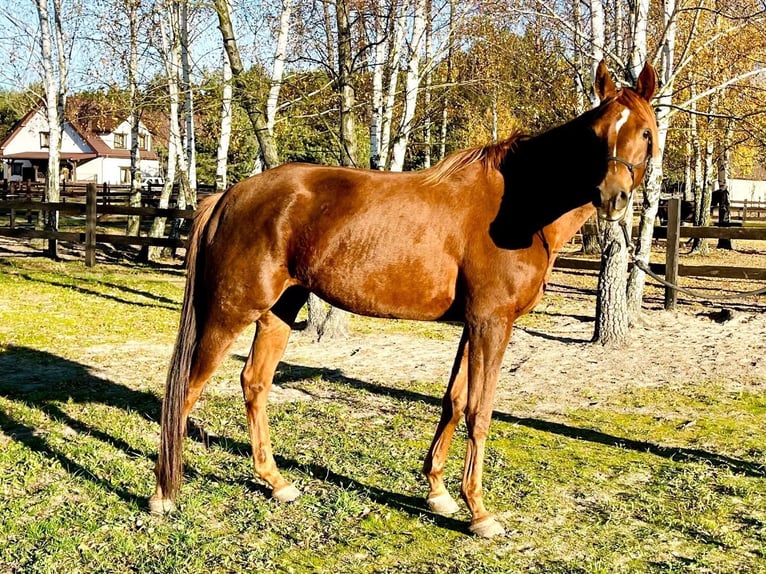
(628, 126)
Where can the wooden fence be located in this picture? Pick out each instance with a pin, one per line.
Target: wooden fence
(93, 207)
(672, 269)
(745, 211)
(109, 194)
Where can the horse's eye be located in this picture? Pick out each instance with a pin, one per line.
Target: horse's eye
(647, 134)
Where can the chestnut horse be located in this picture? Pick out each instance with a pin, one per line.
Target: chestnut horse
(472, 239)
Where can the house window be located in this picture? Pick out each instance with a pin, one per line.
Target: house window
(119, 141)
(45, 139)
(143, 141)
(125, 175)
(16, 168)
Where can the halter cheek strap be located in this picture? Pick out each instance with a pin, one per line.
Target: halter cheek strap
(631, 166)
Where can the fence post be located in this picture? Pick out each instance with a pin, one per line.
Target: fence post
(671, 252)
(90, 225)
(52, 224)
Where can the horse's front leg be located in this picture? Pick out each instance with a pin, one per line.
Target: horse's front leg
(487, 340)
(453, 408)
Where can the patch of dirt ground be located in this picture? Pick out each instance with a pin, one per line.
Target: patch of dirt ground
(550, 365)
(554, 368)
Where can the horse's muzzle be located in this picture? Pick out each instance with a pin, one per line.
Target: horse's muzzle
(612, 203)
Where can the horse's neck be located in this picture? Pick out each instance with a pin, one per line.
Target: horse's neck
(566, 226)
(574, 156)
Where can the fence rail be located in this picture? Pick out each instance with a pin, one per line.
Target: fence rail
(672, 269)
(94, 207)
(91, 209)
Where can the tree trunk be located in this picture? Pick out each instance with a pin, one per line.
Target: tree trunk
(222, 156)
(378, 65)
(427, 89)
(396, 38)
(334, 323)
(134, 221)
(265, 140)
(611, 305)
(447, 80)
(653, 181)
(189, 138)
(598, 41)
(724, 207)
(412, 83)
(590, 241)
(278, 70)
(170, 36)
(52, 102)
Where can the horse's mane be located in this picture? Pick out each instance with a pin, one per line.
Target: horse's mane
(491, 155)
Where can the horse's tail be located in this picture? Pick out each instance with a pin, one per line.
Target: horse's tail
(169, 468)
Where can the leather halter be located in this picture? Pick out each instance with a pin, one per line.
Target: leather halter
(631, 166)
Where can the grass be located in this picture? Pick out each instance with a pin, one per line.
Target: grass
(667, 479)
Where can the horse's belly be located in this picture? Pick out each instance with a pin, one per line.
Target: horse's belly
(403, 291)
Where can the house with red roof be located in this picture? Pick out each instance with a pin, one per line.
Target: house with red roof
(95, 149)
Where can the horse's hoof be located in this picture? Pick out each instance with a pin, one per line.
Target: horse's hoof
(487, 528)
(159, 505)
(286, 493)
(442, 504)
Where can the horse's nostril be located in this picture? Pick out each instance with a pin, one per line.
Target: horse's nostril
(621, 200)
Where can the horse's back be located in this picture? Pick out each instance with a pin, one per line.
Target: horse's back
(376, 243)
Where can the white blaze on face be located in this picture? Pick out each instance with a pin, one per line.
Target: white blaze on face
(618, 126)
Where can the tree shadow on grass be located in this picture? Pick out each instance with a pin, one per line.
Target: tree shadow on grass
(43, 381)
(152, 300)
(292, 373)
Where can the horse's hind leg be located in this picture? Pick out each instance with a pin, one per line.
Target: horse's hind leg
(453, 407)
(272, 332)
(216, 336)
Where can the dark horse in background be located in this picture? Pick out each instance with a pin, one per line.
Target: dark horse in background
(472, 239)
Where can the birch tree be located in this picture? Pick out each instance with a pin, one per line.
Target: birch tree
(134, 222)
(55, 84)
(611, 327)
(411, 87)
(189, 140)
(378, 63)
(277, 73)
(171, 47)
(254, 111)
(396, 38)
(222, 154)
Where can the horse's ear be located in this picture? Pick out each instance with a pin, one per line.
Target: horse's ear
(604, 85)
(647, 82)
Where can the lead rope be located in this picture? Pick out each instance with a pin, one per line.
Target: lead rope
(645, 268)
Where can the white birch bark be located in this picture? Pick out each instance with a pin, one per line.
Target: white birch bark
(51, 102)
(169, 33)
(222, 155)
(134, 222)
(278, 70)
(427, 87)
(598, 35)
(638, 39)
(447, 79)
(189, 141)
(653, 182)
(277, 75)
(394, 57)
(412, 84)
(378, 66)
